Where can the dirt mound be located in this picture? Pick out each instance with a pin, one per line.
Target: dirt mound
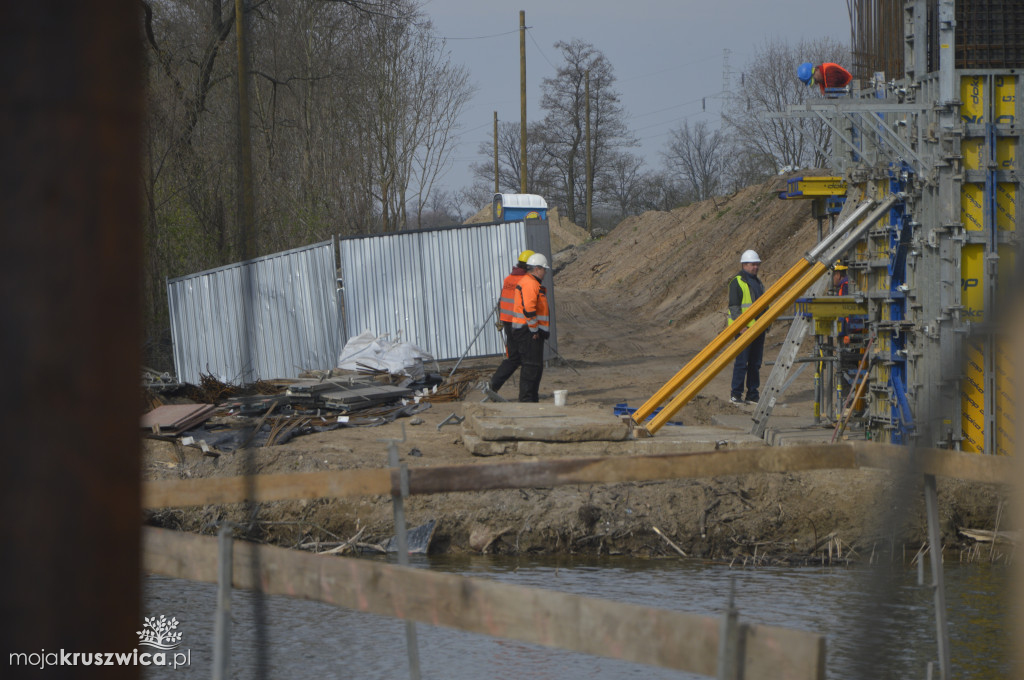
(676, 265)
(564, 233)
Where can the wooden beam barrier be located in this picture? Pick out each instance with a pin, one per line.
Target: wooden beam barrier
(975, 467)
(648, 635)
(550, 473)
(265, 488)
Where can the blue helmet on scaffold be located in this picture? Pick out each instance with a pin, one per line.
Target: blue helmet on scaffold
(805, 72)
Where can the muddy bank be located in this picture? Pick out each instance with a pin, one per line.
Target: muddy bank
(794, 518)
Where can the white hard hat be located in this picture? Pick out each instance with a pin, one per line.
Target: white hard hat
(749, 256)
(537, 260)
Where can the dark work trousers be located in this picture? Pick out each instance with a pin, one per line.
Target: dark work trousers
(509, 364)
(531, 351)
(747, 369)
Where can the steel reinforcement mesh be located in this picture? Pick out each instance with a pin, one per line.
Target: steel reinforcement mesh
(989, 34)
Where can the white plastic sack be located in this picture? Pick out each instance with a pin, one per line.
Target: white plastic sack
(379, 352)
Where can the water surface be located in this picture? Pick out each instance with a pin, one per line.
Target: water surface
(878, 621)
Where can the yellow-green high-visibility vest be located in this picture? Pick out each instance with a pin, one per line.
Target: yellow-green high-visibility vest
(745, 304)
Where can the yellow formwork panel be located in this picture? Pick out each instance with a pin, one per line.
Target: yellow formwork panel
(1006, 153)
(972, 400)
(972, 391)
(1006, 206)
(831, 308)
(972, 96)
(1006, 434)
(821, 186)
(1006, 99)
(972, 211)
(973, 151)
(881, 407)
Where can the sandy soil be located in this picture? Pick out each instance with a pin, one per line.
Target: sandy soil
(631, 309)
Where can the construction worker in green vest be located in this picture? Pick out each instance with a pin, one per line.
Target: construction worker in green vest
(744, 288)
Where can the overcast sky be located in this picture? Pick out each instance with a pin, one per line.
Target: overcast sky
(668, 56)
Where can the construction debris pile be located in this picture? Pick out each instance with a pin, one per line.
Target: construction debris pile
(220, 418)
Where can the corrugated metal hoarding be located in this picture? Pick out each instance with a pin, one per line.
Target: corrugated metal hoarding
(271, 317)
(437, 288)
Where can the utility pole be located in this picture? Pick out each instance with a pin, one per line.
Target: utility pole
(495, 152)
(590, 169)
(522, 101)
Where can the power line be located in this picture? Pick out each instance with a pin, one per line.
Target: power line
(480, 37)
(541, 51)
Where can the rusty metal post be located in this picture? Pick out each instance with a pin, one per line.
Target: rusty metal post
(70, 262)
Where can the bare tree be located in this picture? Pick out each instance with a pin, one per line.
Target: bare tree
(541, 175)
(443, 92)
(413, 96)
(623, 183)
(354, 105)
(770, 85)
(698, 156)
(662, 191)
(188, 224)
(746, 166)
(564, 124)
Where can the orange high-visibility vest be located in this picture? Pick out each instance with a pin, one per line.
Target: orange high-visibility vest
(531, 305)
(833, 75)
(507, 302)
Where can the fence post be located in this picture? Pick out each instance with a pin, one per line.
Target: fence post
(222, 618)
(398, 502)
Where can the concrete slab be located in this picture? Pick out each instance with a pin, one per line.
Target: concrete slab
(679, 440)
(542, 422)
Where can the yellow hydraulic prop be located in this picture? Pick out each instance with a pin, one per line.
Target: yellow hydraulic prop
(800, 277)
(740, 343)
(723, 338)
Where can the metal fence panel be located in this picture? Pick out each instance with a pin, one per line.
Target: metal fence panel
(271, 317)
(437, 288)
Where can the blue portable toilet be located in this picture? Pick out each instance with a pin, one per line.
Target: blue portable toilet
(516, 207)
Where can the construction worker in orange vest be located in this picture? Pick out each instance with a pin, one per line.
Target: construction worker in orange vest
(827, 76)
(506, 305)
(530, 326)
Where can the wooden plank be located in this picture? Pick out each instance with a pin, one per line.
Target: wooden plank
(263, 488)
(939, 462)
(522, 475)
(561, 472)
(659, 637)
(609, 470)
